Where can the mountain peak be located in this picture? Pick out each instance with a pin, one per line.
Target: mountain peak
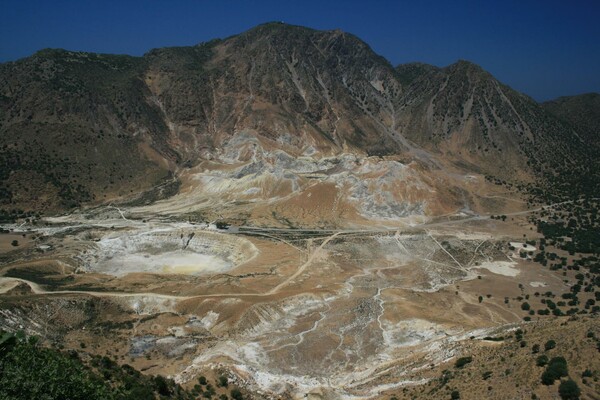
(274, 26)
(409, 72)
(465, 66)
(466, 63)
(290, 87)
(277, 26)
(281, 32)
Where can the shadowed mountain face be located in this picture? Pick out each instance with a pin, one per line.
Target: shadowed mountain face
(80, 127)
(73, 128)
(582, 111)
(465, 113)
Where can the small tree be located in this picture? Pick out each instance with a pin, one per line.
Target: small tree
(549, 345)
(556, 369)
(541, 360)
(162, 386)
(547, 378)
(222, 382)
(455, 395)
(587, 373)
(236, 394)
(461, 362)
(568, 390)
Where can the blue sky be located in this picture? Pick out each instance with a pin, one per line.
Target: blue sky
(544, 48)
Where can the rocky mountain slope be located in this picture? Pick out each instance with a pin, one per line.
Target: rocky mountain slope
(79, 128)
(464, 113)
(582, 111)
(73, 129)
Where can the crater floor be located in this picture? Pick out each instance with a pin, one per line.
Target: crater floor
(176, 251)
(311, 289)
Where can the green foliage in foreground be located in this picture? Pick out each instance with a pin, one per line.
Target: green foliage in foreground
(30, 371)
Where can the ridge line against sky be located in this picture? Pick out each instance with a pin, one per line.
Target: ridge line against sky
(545, 49)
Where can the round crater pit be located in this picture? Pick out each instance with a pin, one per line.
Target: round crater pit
(178, 251)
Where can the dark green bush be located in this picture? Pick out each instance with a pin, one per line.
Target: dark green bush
(556, 369)
(236, 394)
(461, 362)
(549, 345)
(568, 390)
(541, 360)
(222, 381)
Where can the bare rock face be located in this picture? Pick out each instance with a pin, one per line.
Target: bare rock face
(86, 128)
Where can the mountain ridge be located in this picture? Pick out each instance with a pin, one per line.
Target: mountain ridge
(302, 90)
(581, 111)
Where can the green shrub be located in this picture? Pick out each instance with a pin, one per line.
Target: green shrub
(568, 390)
(461, 362)
(556, 369)
(222, 381)
(547, 378)
(236, 394)
(549, 345)
(541, 360)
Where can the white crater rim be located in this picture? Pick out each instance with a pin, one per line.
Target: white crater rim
(168, 251)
